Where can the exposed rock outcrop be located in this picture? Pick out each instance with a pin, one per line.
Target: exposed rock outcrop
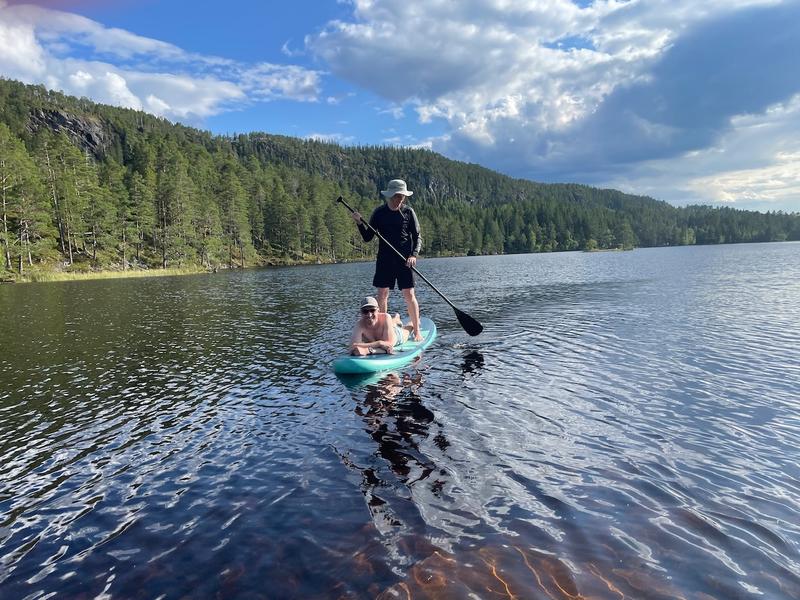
(86, 132)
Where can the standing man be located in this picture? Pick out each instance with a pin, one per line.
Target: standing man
(398, 224)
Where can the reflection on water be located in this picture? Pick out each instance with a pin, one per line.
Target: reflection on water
(473, 364)
(394, 417)
(625, 427)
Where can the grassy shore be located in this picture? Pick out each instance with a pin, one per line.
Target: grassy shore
(38, 274)
(35, 276)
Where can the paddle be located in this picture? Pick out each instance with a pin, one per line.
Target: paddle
(470, 325)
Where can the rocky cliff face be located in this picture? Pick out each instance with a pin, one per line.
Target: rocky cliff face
(87, 132)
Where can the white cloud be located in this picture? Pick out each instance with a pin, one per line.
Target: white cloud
(61, 30)
(183, 97)
(22, 57)
(79, 56)
(478, 62)
(395, 110)
(108, 87)
(156, 105)
(756, 165)
(548, 90)
(769, 185)
(286, 50)
(267, 81)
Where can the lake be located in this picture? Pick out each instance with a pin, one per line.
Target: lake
(626, 427)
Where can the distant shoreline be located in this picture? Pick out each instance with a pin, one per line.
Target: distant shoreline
(44, 276)
(53, 276)
(618, 249)
(35, 276)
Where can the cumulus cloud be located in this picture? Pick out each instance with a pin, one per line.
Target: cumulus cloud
(81, 57)
(22, 57)
(108, 87)
(64, 31)
(755, 164)
(550, 90)
(268, 81)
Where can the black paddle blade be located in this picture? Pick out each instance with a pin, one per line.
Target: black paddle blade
(470, 325)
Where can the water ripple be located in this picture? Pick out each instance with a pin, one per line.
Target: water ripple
(626, 426)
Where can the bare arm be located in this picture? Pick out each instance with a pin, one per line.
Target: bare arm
(359, 346)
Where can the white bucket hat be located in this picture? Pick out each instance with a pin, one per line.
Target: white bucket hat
(396, 186)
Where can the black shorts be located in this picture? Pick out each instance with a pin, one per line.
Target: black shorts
(389, 272)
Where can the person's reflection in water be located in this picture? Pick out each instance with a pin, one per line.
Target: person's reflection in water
(396, 420)
(386, 405)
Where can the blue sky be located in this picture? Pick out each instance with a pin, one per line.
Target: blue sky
(685, 102)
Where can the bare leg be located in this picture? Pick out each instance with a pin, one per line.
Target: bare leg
(413, 311)
(383, 299)
(405, 329)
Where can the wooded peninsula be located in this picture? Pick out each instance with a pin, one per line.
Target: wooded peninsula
(87, 187)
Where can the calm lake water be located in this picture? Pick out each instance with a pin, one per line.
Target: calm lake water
(626, 426)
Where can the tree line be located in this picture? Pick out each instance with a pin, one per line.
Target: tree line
(88, 186)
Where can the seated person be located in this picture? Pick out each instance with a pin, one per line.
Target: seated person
(377, 332)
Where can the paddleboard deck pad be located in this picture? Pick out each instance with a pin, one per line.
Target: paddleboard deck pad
(403, 354)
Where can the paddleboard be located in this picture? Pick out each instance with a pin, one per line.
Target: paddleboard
(403, 354)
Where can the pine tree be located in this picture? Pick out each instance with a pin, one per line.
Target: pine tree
(10, 157)
(174, 207)
(207, 221)
(277, 218)
(23, 205)
(101, 212)
(234, 214)
(140, 213)
(121, 231)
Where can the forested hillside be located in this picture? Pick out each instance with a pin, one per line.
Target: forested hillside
(87, 186)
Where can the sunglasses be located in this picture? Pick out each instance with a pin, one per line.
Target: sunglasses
(367, 311)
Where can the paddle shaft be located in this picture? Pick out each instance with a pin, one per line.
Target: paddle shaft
(396, 251)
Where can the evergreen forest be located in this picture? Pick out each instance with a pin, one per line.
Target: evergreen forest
(85, 186)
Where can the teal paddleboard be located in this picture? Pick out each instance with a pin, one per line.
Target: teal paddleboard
(403, 354)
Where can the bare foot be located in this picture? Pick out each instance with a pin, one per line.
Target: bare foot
(412, 335)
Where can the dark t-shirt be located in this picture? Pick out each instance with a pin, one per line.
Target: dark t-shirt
(399, 227)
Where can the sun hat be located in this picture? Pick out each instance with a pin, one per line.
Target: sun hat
(396, 186)
(369, 302)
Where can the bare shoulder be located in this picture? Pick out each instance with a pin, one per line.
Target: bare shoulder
(358, 333)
